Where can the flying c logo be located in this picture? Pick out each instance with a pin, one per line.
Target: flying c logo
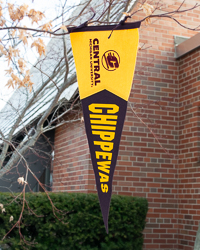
(110, 60)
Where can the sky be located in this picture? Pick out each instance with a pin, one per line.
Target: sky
(51, 9)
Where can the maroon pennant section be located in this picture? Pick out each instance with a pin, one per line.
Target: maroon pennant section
(104, 115)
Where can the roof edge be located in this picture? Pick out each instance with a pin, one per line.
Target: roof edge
(187, 46)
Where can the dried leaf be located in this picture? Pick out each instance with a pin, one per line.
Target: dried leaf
(18, 13)
(10, 83)
(2, 22)
(23, 9)
(147, 8)
(26, 82)
(1, 13)
(15, 79)
(63, 27)
(13, 52)
(148, 21)
(29, 35)
(21, 180)
(23, 36)
(47, 26)
(22, 64)
(35, 16)
(13, 33)
(2, 49)
(11, 11)
(40, 46)
(9, 71)
(126, 14)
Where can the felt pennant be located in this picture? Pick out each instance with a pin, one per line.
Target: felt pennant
(105, 67)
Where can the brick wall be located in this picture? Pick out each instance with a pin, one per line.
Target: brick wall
(189, 161)
(71, 159)
(146, 168)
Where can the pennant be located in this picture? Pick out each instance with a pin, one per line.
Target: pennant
(105, 68)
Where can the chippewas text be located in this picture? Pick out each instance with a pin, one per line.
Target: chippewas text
(94, 62)
(104, 126)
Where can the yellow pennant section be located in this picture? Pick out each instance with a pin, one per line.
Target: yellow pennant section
(103, 63)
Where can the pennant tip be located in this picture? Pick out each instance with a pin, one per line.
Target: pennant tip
(106, 226)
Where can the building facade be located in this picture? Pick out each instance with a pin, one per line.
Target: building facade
(159, 150)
